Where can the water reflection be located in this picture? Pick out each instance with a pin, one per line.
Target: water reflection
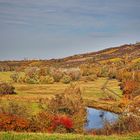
(96, 118)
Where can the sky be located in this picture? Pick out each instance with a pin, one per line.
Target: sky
(45, 29)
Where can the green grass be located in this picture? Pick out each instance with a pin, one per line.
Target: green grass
(44, 136)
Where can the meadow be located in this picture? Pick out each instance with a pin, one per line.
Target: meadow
(92, 91)
(41, 136)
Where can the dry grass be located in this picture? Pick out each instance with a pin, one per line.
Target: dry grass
(91, 90)
(5, 76)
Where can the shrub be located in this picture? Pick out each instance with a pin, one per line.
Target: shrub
(125, 124)
(33, 80)
(32, 74)
(62, 121)
(6, 88)
(70, 103)
(15, 77)
(14, 116)
(123, 102)
(15, 108)
(13, 123)
(43, 71)
(57, 75)
(41, 122)
(48, 122)
(75, 75)
(137, 76)
(85, 70)
(46, 80)
(104, 71)
(66, 79)
(21, 79)
(49, 80)
(112, 73)
(129, 87)
(124, 75)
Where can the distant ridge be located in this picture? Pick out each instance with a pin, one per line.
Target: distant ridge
(131, 50)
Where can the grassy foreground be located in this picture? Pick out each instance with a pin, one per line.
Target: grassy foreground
(41, 136)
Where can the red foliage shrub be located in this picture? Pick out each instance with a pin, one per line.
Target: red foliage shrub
(62, 120)
(47, 122)
(13, 123)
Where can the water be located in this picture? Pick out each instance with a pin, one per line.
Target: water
(96, 118)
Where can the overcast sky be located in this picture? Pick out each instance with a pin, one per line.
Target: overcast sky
(44, 29)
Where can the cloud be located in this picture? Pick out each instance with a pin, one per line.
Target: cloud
(73, 25)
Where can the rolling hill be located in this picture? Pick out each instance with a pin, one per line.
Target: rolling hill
(114, 54)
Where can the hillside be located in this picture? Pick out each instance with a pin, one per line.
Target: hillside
(131, 51)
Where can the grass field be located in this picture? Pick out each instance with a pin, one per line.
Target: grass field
(41, 136)
(91, 90)
(5, 76)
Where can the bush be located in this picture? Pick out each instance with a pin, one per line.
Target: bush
(21, 79)
(15, 77)
(49, 79)
(125, 124)
(112, 73)
(46, 79)
(15, 108)
(48, 122)
(31, 75)
(85, 70)
(6, 88)
(43, 71)
(32, 72)
(32, 80)
(75, 75)
(129, 87)
(57, 75)
(124, 75)
(104, 71)
(13, 123)
(70, 103)
(66, 79)
(14, 117)
(128, 121)
(137, 76)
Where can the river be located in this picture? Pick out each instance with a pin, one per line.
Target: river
(96, 118)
